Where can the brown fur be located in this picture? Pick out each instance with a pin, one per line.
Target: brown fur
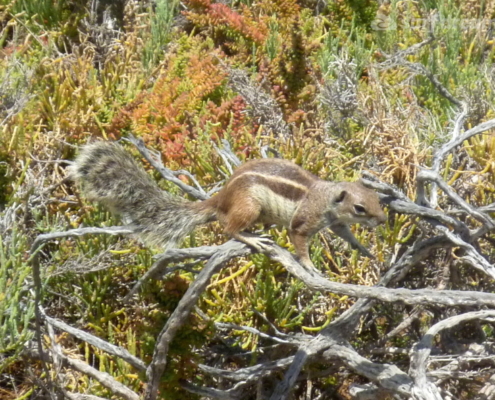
(269, 191)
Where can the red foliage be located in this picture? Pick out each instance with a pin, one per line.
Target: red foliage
(218, 15)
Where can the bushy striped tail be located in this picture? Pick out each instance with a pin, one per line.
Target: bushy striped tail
(107, 174)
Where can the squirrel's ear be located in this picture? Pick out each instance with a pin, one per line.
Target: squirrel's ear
(340, 197)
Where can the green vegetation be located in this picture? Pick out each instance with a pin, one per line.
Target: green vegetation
(70, 73)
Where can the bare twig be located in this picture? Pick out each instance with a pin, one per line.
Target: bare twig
(263, 106)
(228, 156)
(398, 59)
(249, 373)
(251, 330)
(429, 175)
(455, 141)
(80, 396)
(103, 378)
(97, 342)
(155, 160)
(172, 255)
(438, 159)
(180, 314)
(424, 389)
(34, 259)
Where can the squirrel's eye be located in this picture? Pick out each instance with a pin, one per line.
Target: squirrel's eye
(359, 209)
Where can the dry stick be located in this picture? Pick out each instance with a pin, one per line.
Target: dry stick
(420, 296)
(228, 156)
(367, 392)
(284, 387)
(349, 319)
(263, 335)
(255, 372)
(167, 174)
(457, 141)
(179, 316)
(57, 356)
(345, 323)
(173, 255)
(235, 249)
(96, 342)
(421, 69)
(80, 396)
(423, 389)
(208, 393)
(406, 296)
(487, 392)
(439, 156)
(398, 59)
(35, 264)
(472, 256)
(489, 208)
(405, 206)
(263, 106)
(413, 316)
(387, 376)
(428, 175)
(104, 378)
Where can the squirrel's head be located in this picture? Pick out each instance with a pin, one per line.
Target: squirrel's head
(353, 203)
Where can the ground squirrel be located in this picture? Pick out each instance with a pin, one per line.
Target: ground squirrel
(270, 191)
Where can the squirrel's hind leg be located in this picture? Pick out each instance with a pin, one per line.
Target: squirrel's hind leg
(241, 215)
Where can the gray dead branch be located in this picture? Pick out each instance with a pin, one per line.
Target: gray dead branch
(264, 108)
(154, 158)
(328, 346)
(58, 360)
(423, 388)
(80, 396)
(96, 342)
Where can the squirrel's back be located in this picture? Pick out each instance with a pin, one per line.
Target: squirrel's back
(108, 174)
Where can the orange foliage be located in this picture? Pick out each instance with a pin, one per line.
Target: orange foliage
(188, 98)
(219, 16)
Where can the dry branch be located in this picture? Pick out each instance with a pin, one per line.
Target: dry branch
(103, 378)
(250, 373)
(80, 396)
(181, 313)
(428, 175)
(264, 108)
(154, 158)
(424, 389)
(34, 259)
(398, 59)
(380, 373)
(96, 342)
